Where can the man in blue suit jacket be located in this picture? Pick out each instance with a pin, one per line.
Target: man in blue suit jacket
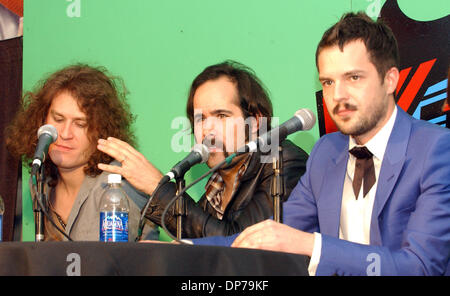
(397, 220)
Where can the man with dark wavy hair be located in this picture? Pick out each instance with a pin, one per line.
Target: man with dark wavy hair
(84, 104)
(221, 99)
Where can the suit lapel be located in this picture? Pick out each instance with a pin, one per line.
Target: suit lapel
(394, 158)
(332, 187)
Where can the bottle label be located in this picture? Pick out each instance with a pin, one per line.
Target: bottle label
(113, 226)
(1, 227)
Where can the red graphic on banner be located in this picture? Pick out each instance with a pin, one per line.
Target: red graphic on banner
(446, 108)
(330, 126)
(414, 84)
(402, 77)
(15, 6)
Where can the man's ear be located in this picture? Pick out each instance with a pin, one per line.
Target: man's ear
(258, 116)
(391, 79)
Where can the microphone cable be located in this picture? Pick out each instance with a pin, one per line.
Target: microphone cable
(172, 201)
(145, 208)
(49, 218)
(179, 169)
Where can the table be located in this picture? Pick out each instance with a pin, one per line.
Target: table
(143, 259)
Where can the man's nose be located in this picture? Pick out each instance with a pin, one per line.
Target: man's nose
(211, 126)
(340, 92)
(65, 131)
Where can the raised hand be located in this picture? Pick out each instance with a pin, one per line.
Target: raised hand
(138, 171)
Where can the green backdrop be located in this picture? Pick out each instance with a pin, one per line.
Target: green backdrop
(158, 47)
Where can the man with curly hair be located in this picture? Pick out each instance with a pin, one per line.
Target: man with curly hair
(84, 104)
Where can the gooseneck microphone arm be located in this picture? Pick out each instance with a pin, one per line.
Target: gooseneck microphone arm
(40, 206)
(277, 189)
(212, 170)
(180, 206)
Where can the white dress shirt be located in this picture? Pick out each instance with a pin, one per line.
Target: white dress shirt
(356, 214)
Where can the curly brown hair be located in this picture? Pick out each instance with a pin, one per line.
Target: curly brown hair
(100, 96)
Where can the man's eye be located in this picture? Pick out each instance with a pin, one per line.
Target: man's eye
(327, 82)
(221, 115)
(80, 123)
(354, 77)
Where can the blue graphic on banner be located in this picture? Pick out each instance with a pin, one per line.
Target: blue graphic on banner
(442, 85)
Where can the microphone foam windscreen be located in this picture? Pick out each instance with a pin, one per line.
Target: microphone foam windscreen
(307, 117)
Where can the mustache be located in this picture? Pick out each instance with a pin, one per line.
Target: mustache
(213, 142)
(218, 144)
(345, 106)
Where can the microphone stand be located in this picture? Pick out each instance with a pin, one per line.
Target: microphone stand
(277, 189)
(180, 206)
(38, 211)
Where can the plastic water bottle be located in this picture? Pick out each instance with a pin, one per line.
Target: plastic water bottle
(114, 209)
(2, 210)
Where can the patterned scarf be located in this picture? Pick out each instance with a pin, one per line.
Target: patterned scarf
(215, 187)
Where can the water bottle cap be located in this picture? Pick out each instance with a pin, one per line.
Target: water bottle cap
(114, 178)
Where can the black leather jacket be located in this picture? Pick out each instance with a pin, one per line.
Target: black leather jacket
(251, 203)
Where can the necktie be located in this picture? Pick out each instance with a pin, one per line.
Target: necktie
(364, 169)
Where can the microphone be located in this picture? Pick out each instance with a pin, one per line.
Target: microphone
(199, 154)
(47, 134)
(304, 119)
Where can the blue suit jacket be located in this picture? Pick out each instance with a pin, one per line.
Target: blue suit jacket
(410, 225)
